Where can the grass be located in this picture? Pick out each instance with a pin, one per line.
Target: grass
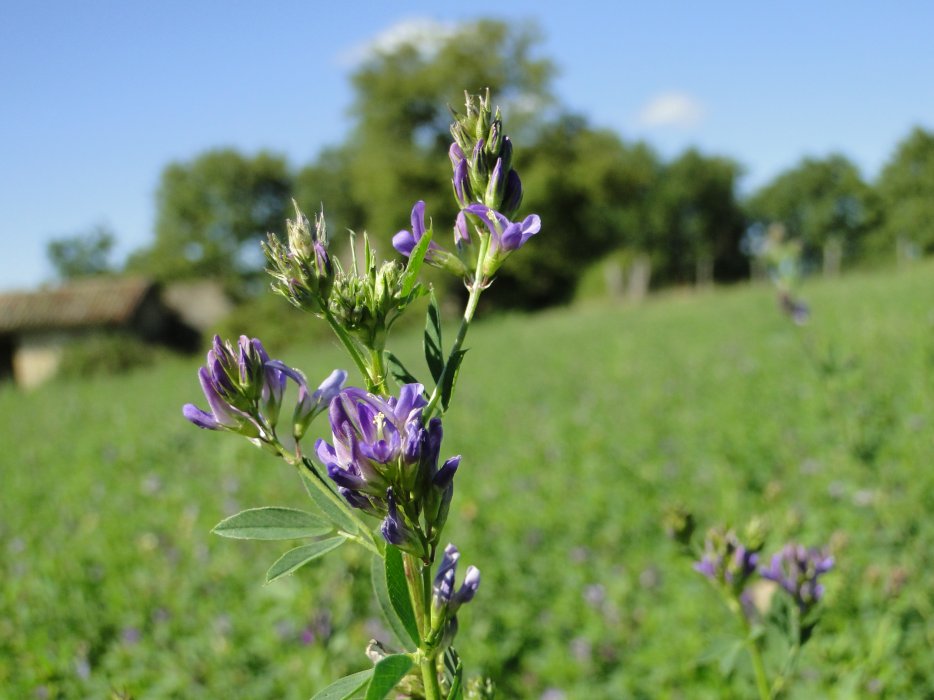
(579, 427)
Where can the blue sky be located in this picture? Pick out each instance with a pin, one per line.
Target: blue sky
(97, 97)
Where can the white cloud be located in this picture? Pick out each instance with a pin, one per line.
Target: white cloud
(427, 34)
(676, 109)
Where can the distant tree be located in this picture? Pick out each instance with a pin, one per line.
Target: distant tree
(212, 212)
(696, 221)
(400, 137)
(823, 203)
(906, 187)
(82, 255)
(592, 191)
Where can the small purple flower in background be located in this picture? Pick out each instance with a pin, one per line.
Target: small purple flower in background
(797, 569)
(728, 561)
(795, 309)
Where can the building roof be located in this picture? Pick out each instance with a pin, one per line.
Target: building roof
(95, 302)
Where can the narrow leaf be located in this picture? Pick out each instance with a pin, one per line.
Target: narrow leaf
(397, 592)
(387, 674)
(454, 671)
(450, 378)
(434, 354)
(330, 510)
(296, 558)
(346, 687)
(416, 258)
(398, 370)
(272, 523)
(381, 589)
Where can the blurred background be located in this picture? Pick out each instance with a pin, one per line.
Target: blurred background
(147, 148)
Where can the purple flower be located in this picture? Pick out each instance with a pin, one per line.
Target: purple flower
(310, 405)
(445, 600)
(395, 531)
(405, 241)
(244, 390)
(377, 441)
(797, 570)
(506, 235)
(238, 384)
(728, 561)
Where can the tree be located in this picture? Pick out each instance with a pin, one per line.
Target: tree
(823, 203)
(212, 212)
(696, 221)
(906, 188)
(591, 190)
(82, 255)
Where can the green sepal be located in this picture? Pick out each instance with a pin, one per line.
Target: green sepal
(398, 370)
(450, 378)
(416, 259)
(345, 688)
(272, 523)
(434, 353)
(392, 592)
(387, 674)
(332, 512)
(296, 558)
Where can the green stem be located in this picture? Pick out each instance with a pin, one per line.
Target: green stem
(755, 654)
(379, 369)
(351, 348)
(418, 578)
(476, 289)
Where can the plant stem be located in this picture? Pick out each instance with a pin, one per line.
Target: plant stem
(350, 347)
(755, 654)
(418, 578)
(379, 369)
(476, 289)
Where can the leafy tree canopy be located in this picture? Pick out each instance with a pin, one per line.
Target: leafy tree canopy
(82, 255)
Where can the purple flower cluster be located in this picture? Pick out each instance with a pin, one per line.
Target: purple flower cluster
(797, 570)
(488, 191)
(445, 601)
(384, 461)
(244, 390)
(727, 560)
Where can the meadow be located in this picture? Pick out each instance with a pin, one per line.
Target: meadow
(579, 428)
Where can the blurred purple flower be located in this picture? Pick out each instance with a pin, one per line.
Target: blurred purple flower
(797, 570)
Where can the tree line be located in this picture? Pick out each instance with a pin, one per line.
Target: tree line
(597, 193)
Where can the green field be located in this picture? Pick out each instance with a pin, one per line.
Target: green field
(578, 427)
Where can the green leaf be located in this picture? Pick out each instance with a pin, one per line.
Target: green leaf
(346, 687)
(416, 258)
(331, 511)
(454, 670)
(296, 558)
(434, 355)
(450, 378)
(387, 674)
(398, 370)
(272, 523)
(392, 592)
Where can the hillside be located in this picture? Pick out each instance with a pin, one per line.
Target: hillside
(579, 427)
